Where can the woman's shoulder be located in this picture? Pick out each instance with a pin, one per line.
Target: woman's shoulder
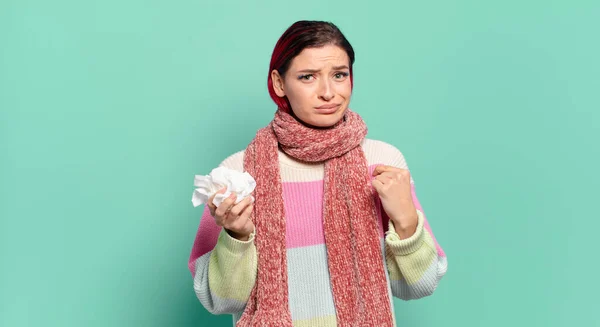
(234, 161)
(381, 153)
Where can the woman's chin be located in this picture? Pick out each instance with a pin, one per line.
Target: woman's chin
(323, 121)
(326, 120)
(320, 120)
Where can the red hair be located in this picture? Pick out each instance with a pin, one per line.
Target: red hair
(301, 35)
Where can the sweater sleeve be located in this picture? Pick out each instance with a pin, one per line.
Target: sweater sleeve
(416, 264)
(223, 268)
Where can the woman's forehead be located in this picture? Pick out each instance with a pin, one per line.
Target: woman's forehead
(326, 57)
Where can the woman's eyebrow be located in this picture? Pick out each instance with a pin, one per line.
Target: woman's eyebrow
(340, 67)
(312, 71)
(308, 71)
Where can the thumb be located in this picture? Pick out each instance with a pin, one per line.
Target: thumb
(381, 169)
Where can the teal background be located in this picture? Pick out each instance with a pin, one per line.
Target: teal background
(108, 109)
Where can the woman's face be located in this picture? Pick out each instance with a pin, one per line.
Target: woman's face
(317, 85)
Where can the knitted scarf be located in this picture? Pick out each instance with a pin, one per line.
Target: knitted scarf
(357, 275)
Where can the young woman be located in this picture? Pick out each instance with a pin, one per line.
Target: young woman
(336, 229)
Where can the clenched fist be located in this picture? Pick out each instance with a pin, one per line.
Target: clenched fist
(393, 186)
(235, 218)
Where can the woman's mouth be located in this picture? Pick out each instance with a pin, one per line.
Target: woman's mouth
(328, 108)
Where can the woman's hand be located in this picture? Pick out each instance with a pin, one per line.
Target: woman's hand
(235, 218)
(393, 186)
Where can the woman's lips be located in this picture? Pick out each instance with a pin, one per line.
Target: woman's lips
(328, 109)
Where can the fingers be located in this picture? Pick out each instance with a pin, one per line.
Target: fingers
(233, 216)
(387, 179)
(394, 173)
(239, 223)
(384, 178)
(388, 169)
(378, 185)
(210, 203)
(237, 209)
(225, 206)
(247, 212)
(382, 168)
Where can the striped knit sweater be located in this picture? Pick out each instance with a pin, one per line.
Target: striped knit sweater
(224, 269)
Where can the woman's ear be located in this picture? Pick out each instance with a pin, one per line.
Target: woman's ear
(277, 83)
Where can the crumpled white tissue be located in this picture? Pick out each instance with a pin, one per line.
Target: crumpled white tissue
(241, 183)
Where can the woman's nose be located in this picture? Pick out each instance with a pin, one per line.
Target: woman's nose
(326, 90)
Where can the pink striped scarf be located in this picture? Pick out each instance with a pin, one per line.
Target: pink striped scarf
(349, 218)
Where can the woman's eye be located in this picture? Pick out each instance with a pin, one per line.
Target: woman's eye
(341, 75)
(307, 77)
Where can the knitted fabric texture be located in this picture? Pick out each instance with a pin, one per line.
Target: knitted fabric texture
(357, 276)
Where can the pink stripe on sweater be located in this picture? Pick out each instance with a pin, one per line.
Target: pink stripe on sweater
(304, 213)
(206, 238)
